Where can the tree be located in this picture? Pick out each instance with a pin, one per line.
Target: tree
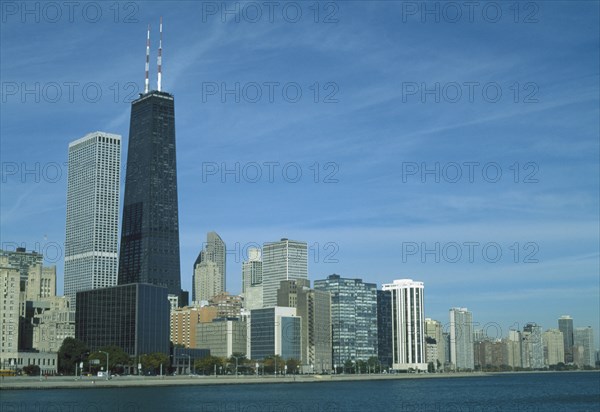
(349, 366)
(272, 362)
(153, 361)
(117, 358)
(292, 365)
(430, 367)
(373, 363)
(71, 351)
(207, 364)
(32, 370)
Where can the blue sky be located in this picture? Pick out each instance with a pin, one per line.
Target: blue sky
(370, 131)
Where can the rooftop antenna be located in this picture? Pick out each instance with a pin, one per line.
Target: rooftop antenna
(159, 58)
(146, 81)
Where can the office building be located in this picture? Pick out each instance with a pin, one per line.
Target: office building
(384, 328)
(554, 349)
(408, 324)
(252, 270)
(93, 185)
(434, 330)
(353, 318)
(283, 260)
(275, 331)
(134, 317)
(565, 325)
(314, 308)
(512, 349)
(584, 338)
(461, 339)
(209, 269)
(184, 324)
(532, 348)
(150, 230)
(223, 337)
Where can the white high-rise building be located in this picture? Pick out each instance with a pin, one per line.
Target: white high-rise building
(91, 256)
(461, 339)
(408, 325)
(283, 260)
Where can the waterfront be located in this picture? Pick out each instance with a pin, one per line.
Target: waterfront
(565, 391)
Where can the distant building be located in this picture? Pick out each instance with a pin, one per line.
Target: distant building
(53, 324)
(283, 260)
(532, 348)
(584, 338)
(92, 221)
(252, 270)
(10, 279)
(384, 328)
(512, 349)
(209, 269)
(489, 354)
(275, 331)
(134, 317)
(565, 325)
(314, 308)
(554, 350)
(228, 306)
(353, 318)
(223, 337)
(434, 330)
(408, 324)
(461, 339)
(253, 297)
(184, 323)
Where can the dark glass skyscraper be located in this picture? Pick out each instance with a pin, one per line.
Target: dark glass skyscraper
(150, 233)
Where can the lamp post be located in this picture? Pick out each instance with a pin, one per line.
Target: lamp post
(107, 372)
(236, 364)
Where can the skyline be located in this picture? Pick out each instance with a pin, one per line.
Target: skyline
(365, 215)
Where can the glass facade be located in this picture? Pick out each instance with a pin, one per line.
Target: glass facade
(134, 317)
(262, 333)
(384, 327)
(283, 260)
(353, 317)
(150, 233)
(290, 337)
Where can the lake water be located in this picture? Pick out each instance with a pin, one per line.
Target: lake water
(507, 392)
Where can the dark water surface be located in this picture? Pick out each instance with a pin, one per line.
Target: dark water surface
(506, 392)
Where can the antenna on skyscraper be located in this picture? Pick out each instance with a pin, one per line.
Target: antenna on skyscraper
(159, 58)
(146, 81)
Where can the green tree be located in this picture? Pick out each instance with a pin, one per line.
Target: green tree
(207, 365)
(349, 366)
(117, 358)
(71, 351)
(430, 367)
(373, 363)
(273, 361)
(292, 365)
(152, 362)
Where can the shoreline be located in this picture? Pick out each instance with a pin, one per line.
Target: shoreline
(69, 382)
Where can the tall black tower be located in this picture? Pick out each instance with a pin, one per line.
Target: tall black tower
(150, 231)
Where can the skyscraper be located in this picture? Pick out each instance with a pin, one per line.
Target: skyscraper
(584, 338)
(209, 269)
(314, 307)
(150, 233)
(554, 350)
(92, 213)
(252, 270)
(565, 325)
(283, 260)
(434, 330)
(353, 318)
(384, 328)
(461, 339)
(408, 324)
(532, 348)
